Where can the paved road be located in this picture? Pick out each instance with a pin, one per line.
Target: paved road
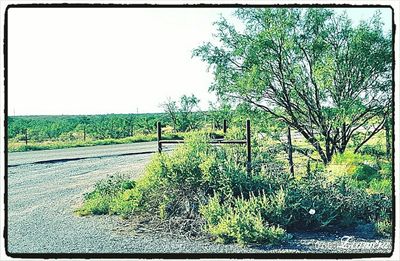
(42, 198)
(18, 158)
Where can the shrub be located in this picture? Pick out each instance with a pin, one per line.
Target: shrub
(322, 203)
(379, 207)
(386, 170)
(383, 186)
(199, 181)
(240, 221)
(188, 175)
(383, 227)
(360, 167)
(100, 200)
(96, 204)
(362, 171)
(172, 183)
(373, 150)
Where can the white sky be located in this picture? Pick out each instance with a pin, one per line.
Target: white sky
(98, 61)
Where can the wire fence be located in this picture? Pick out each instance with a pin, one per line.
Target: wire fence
(289, 152)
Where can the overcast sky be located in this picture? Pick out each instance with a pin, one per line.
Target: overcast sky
(120, 60)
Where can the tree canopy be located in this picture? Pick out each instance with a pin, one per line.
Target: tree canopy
(182, 115)
(310, 68)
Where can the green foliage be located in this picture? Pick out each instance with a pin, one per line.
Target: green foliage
(386, 170)
(240, 222)
(383, 186)
(373, 150)
(363, 171)
(200, 181)
(100, 200)
(384, 227)
(373, 176)
(81, 128)
(218, 113)
(183, 115)
(177, 176)
(360, 167)
(96, 204)
(366, 173)
(294, 64)
(335, 203)
(83, 131)
(379, 207)
(112, 186)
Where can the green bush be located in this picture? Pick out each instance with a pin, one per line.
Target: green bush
(241, 222)
(96, 204)
(172, 183)
(386, 170)
(360, 167)
(383, 186)
(335, 203)
(200, 181)
(100, 200)
(362, 171)
(383, 227)
(379, 207)
(373, 150)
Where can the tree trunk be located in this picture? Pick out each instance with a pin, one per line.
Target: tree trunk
(343, 142)
(314, 142)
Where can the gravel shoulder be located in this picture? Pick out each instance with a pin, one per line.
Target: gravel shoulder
(42, 198)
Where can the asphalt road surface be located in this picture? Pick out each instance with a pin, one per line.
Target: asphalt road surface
(45, 187)
(27, 157)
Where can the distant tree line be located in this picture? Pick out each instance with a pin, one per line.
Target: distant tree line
(42, 128)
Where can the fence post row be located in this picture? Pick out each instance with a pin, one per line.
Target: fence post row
(247, 142)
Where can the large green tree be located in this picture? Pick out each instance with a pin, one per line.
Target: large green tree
(309, 68)
(182, 115)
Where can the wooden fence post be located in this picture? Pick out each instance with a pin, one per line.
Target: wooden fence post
(248, 146)
(159, 136)
(225, 127)
(26, 136)
(290, 152)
